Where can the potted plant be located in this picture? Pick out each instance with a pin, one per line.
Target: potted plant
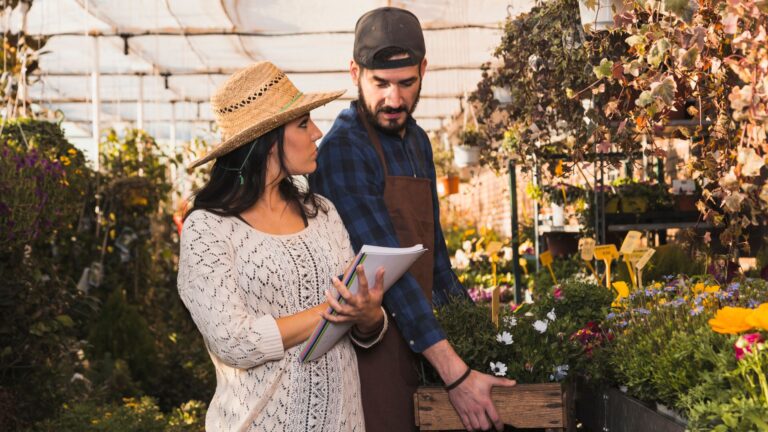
(467, 153)
(446, 173)
(538, 344)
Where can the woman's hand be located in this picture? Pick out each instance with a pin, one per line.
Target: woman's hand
(363, 308)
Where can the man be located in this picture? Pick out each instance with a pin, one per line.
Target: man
(376, 166)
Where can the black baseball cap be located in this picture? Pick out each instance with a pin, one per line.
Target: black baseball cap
(388, 27)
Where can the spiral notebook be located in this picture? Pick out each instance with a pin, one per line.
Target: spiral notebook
(395, 261)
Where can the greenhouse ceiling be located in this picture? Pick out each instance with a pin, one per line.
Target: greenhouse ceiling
(160, 60)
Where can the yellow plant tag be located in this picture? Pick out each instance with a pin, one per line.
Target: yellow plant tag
(493, 248)
(631, 242)
(635, 256)
(623, 292)
(644, 259)
(495, 301)
(606, 252)
(587, 247)
(546, 258)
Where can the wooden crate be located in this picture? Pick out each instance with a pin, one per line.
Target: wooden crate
(522, 406)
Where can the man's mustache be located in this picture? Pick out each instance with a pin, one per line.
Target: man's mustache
(391, 110)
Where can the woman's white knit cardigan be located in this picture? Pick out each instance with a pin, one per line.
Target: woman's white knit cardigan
(235, 280)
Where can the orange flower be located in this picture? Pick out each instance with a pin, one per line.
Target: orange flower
(731, 320)
(759, 317)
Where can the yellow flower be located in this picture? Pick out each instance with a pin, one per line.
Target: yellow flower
(759, 317)
(72, 152)
(701, 288)
(662, 301)
(731, 320)
(658, 285)
(65, 160)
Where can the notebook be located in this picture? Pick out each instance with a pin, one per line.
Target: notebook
(395, 261)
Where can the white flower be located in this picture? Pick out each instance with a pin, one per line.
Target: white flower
(77, 377)
(510, 321)
(467, 246)
(507, 253)
(551, 315)
(504, 338)
(528, 297)
(461, 260)
(540, 326)
(498, 368)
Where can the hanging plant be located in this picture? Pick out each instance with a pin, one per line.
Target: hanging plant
(698, 70)
(546, 75)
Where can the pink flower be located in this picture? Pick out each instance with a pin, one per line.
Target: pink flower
(513, 306)
(748, 344)
(558, 293)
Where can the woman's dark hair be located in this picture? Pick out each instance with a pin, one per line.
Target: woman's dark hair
(238, 180)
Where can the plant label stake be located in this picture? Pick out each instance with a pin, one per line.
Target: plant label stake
(546, 261)
(641, 263)
(524, 264)
(622, 291)
(493, 249)
(607, 253)
(631, 242)
(587, 247)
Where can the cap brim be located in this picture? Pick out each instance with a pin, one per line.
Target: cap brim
(304, 104)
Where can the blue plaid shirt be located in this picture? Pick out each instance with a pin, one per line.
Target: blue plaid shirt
(350, 174)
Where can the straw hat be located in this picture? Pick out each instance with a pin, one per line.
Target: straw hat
(254, 101)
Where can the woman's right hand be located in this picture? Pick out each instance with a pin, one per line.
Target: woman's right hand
(363, 308)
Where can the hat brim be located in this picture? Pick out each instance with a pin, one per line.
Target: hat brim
(304, 104)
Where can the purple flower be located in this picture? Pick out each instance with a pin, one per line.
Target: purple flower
(641, 311)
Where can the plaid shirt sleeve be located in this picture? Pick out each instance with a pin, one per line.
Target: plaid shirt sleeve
(350, 175)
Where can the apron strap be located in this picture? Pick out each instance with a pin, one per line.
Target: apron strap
(374, 137)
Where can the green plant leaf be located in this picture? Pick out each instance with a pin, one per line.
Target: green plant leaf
(665, 90)
(644, 99)
(688, 58)
(658, 52)
(65, 320)
(635, 40)
(604, 70)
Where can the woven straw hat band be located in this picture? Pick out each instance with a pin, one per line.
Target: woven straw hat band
(254, 101)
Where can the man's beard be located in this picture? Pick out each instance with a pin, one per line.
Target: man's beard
(391, 127)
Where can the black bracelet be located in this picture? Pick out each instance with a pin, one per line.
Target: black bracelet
(458, 382)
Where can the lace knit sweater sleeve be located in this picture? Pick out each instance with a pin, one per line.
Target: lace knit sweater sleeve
(209, 289)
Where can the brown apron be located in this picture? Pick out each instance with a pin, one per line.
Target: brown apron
(388, 371)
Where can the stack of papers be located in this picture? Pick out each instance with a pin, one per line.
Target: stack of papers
(395, 261)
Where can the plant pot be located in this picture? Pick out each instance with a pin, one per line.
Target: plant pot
(558, 214)
(685, 203)
(612, 205)
(464, 156)
(610, 409)
(502, 95)
(561, 244)
(447, 185)
(601, 17)
(634, 205)
(522, 406)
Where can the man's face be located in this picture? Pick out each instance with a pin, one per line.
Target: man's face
(388, 96)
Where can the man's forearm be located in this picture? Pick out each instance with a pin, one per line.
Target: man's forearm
(445, 360)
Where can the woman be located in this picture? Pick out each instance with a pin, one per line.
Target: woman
(259, 259)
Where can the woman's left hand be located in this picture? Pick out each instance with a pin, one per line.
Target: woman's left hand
(363, 308)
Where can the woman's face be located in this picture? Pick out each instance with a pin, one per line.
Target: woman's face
(299, 145)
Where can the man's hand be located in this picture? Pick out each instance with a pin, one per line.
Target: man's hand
(472, 398)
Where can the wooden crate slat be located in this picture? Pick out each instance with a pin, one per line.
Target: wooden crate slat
(522, 406)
